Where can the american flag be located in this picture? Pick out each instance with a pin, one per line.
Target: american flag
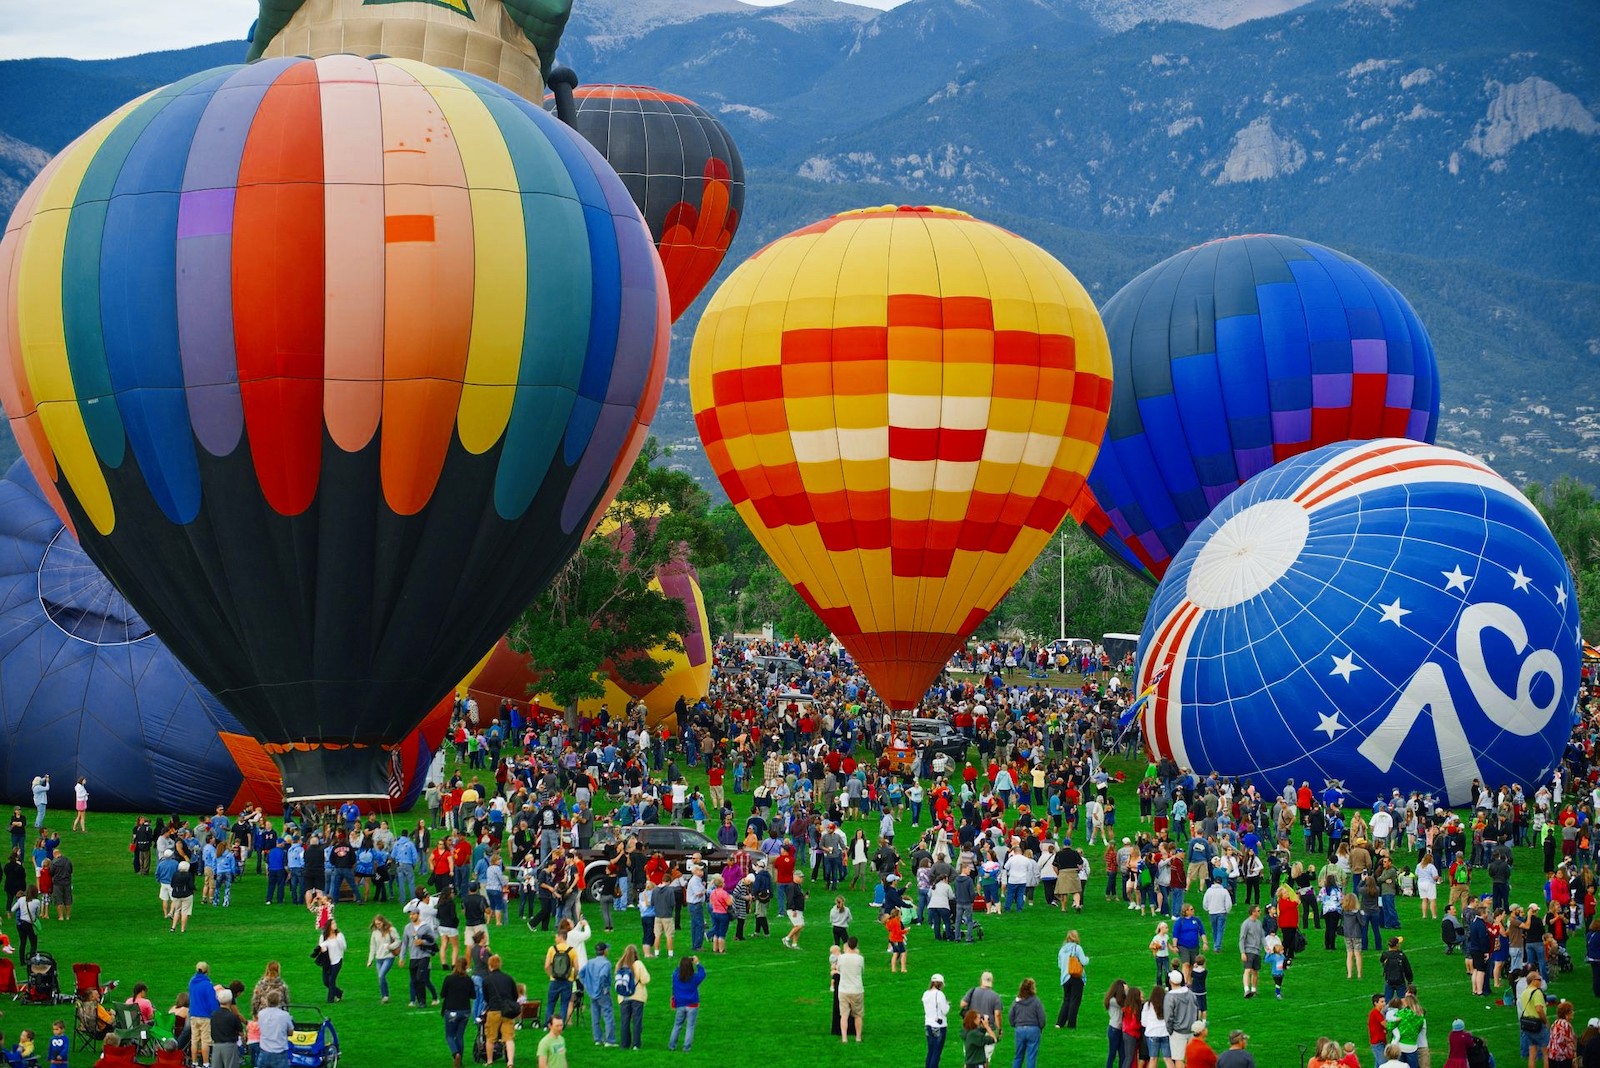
(397, 777)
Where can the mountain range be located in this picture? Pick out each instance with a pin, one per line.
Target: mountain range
(1451, 144)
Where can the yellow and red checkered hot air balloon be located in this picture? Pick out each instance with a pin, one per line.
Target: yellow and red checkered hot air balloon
(901, 404)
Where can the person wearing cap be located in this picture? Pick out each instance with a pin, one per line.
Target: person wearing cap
(596, 976)
(1197, 1051)
(935, 1018)
(1533, 1020)
(1181, 1013)
(1236, 1055)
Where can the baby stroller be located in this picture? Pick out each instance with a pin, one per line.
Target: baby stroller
(314, 1044)
(42, 982)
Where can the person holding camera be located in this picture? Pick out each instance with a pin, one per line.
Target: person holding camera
(685, 1001)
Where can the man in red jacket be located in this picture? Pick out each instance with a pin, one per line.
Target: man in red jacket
(783, 874)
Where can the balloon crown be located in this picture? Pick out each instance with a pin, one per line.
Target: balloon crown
(904, 209)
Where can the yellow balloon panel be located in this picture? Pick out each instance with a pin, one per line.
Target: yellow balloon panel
(901, 404)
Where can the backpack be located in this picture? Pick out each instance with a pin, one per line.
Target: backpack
(625, 983)
(561, 965)
(1478, 1054)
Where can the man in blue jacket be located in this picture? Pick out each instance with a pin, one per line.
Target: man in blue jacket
(596, 977)
(202, 1003)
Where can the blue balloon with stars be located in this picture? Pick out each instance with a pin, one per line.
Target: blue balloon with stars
(1373, 616)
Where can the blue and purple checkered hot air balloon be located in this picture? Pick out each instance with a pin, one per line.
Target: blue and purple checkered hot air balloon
(1232, 356)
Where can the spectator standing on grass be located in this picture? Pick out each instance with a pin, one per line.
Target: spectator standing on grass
(202, 1003)
(271, 982)
(597, 979)
(632, 984)
(274, 1023)
(1027, 1025)
(1181, 1013)
(935, 1019)
(227, 1028)
(501, 1011)
(456, 996)
(852, 988)
(41, 799)
(686, 983)
(553, 1046)
(1073, 965)
(986, 1002)
(1236, 1055)
(1252, 945)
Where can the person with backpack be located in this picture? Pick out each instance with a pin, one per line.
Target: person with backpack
(561, 968)
(632, 985)
(1466, 1049)
(1397, 974)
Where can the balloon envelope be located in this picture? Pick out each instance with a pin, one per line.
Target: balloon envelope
(86, 689)
(901, 403)
(682, 169)
(1381, 615)
(331, 363)
(1232, 356)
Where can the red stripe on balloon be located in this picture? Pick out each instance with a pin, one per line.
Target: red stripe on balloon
(278, 289)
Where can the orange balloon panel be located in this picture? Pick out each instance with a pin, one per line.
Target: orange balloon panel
(901, 404)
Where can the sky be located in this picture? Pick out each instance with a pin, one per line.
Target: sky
(100, 29)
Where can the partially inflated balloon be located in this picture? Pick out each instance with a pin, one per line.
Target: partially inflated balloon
(683, 170)
(506, 674)
(901, 404)
(1232, 356)
(1380, 615)
(511, 42)
(331, 362)
(86, 689)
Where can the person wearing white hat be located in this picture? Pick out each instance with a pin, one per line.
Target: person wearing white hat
(935, 1018)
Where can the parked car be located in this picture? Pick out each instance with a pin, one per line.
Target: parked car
(785, 667)
(676, 844)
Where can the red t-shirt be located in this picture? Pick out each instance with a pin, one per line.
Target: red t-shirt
(1377, 1029)
(783, 867)
(714, 776)
(1199, 1055)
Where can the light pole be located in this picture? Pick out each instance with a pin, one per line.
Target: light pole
(1062, 633)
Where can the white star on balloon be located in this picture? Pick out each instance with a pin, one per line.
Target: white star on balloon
(1393, 612)
(1330, 725)
(1455, 580)
(1519, 580)
(1345, 666)
(1561, 596)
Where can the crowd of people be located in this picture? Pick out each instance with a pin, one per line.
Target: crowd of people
(801, 809)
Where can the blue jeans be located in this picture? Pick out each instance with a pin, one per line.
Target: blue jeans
(1391, 915)
(276, 881)
(38, 821)
(273, 1059)
(337, 877)
(478, 1005)
(1533, 953)
(557, 998)
(1175, 902)
(1025, 1047)
(1372, 932)
(936, 1037)
(384, 964)
(683, 1020)
(697, 925)
(1014, 895)
(599, 1007)
(455, 1031)
(1219, 926)
(405, 881)
(632, 1013)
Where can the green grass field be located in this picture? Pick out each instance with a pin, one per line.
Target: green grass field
(760, 1000)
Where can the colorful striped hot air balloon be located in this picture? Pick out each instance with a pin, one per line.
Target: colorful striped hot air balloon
(331, 362)
(901, 404)
(1232, 356)
(682, 168)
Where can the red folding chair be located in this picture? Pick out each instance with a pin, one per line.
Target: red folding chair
(169, 1057)
(87, 976)
(115, 1056)
(8, 977)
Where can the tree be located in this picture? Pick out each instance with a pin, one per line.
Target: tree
(1570, 510)
(1100, 596)
(747, 589)
(601, 608)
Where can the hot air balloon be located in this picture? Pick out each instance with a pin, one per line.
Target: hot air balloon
(1232, 356)
(330, 363)
(1371, 615)
(682, 169)
(86, 689)
(510, 42)
(901, 403)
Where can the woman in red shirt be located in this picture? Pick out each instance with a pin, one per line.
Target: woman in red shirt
(1288, 918)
